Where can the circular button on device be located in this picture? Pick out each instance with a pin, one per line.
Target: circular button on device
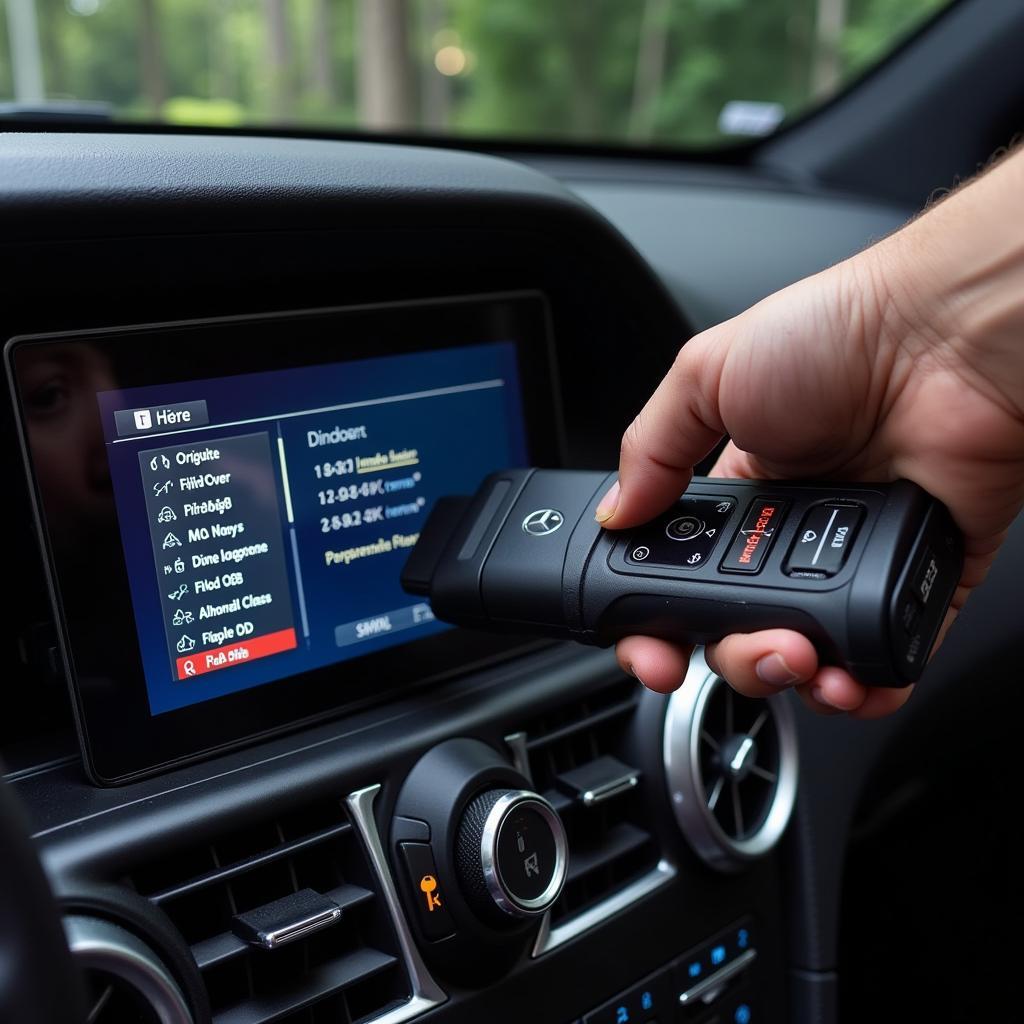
(684, 528)
(512, 853)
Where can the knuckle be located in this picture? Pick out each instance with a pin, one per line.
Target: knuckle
(632, 445)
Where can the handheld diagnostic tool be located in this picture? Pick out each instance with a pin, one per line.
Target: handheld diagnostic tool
(866, 571)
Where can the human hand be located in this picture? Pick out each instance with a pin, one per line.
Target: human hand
(861, 372)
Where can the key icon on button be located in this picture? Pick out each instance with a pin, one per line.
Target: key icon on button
(428, 885)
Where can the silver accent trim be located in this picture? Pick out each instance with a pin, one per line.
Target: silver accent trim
(719, 978)
(426, 993)
(298, 929)
(104, 946)
(499, 892)
(681, 751)
(549, 938)
(624, 783)
(516, 743)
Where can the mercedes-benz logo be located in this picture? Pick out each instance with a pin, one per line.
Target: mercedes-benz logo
(542, 522)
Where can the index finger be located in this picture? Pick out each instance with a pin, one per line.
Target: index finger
(677, 427)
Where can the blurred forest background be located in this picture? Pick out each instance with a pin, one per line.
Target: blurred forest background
(669, 72)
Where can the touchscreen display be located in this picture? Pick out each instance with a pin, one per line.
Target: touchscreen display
(226, 506)
(265, 517)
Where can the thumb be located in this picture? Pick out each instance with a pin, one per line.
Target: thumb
(678, 426)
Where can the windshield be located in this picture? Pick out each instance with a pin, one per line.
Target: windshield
(687, 73)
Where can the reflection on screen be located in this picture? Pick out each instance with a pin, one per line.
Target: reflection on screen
(265, 517)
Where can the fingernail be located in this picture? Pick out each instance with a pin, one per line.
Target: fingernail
(635, 675)
(819, 696)
(773, 670)
(609, 503)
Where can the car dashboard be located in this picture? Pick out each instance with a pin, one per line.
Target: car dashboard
(338, 827)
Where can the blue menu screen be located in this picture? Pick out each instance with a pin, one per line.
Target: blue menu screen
(265, 517)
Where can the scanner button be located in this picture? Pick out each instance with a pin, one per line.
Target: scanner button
(756, 535)
(684, 528)
(685, 536)
(823, 539)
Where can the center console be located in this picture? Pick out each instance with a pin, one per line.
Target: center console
(304, 799)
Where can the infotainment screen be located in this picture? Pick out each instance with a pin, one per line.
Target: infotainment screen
(227, 506)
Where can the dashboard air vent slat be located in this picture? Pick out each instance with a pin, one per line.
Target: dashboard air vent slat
(558, 800)
(317, 984)
(346, 972)
(221, 948)
(622, 840)
(610, 842)
(590, 721)
(226, 872)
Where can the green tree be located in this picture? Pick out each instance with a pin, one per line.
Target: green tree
(609, 70)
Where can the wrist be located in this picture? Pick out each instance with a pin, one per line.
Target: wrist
(951, 283)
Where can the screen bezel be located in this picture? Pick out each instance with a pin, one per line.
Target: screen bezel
(120, 739)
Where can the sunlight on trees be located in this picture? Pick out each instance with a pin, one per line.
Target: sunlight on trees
(629, 71)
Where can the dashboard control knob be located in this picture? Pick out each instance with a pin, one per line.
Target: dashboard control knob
(511, 854)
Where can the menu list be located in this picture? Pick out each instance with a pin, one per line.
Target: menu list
(215, 526)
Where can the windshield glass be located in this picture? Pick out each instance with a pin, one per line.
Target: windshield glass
(688, 73)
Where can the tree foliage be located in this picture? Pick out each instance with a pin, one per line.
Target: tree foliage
(603, 70)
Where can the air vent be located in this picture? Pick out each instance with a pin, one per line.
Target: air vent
(124, 979)
(574, 758)
(731, 765)
(284, 920)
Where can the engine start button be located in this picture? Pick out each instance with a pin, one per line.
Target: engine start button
(526, 853)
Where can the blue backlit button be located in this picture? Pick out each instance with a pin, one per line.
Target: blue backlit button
(616, 1011)
(691, 969)
(742, 1014)
(613, 1012)
(742, 939)
(646, 1002)
(718, 954)
(652, 999)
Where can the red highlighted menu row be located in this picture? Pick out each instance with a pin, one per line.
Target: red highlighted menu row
(236, 654)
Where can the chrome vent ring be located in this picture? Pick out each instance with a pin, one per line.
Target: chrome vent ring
(731, 767)
(124, 977)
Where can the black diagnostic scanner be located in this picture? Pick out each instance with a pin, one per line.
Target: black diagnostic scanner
(866, 571)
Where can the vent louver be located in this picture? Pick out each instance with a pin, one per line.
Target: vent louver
(345, 971)
(573, 754)
(731, 767)
(738, 752)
